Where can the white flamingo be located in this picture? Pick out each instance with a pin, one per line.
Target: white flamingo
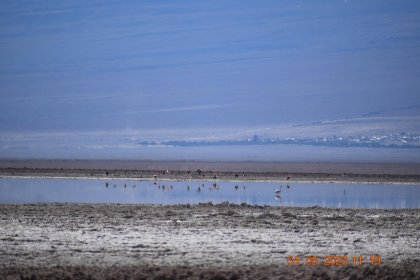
(278, 191)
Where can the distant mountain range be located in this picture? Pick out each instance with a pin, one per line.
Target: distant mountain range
(394, 140)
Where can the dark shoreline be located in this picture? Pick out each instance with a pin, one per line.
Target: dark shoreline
(221, 166)
(179, 170)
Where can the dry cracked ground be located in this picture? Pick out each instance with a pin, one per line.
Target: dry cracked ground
(225, 241)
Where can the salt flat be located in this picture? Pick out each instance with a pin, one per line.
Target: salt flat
(204, 241)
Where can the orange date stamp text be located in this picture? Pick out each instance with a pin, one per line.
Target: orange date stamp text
(333, 261)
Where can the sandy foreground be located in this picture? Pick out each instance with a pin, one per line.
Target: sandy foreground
(225, 241)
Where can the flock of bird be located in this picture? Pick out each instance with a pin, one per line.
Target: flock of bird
(115, 185)
(164, 187)
(214, 186)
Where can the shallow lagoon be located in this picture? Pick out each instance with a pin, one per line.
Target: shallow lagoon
(339, 195)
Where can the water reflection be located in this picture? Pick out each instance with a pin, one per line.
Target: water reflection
(177, 192)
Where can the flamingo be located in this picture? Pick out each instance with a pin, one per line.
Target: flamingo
(278, 191)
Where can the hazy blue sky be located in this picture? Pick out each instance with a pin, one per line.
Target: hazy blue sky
(111, 65)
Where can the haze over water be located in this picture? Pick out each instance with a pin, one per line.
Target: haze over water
(95, 80)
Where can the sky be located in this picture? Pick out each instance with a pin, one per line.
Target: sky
(85, 66)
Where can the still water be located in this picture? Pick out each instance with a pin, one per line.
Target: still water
(341, 195)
